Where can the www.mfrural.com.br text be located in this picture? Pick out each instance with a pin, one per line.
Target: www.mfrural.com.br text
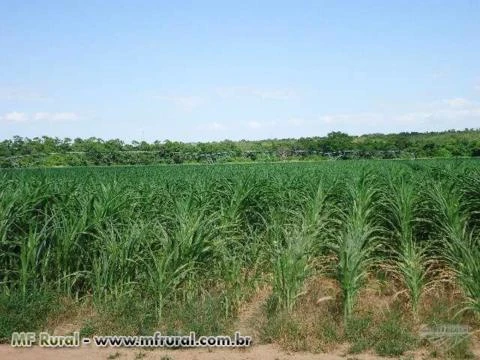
(157, 340)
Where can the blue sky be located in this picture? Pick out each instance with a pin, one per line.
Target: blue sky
(211, 70)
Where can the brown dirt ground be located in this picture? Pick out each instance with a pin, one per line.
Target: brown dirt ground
(263, 352)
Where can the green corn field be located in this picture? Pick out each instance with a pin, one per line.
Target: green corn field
(173, 237)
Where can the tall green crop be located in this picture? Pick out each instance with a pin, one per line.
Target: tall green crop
(355, 244)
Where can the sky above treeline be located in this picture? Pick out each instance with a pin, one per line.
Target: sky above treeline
(213, 70)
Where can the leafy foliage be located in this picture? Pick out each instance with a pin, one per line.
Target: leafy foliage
(167, 236)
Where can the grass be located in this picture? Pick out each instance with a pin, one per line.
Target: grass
(25, 312)
(310, 328)
(167, 357)
(115, 355)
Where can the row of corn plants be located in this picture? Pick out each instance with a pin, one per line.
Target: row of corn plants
(172, 234)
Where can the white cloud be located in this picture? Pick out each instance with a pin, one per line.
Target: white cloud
(477, 85)
(20, 94)
(296, 121)
(412, 118)
(185, 102)
(458, 102)
(351, 118)
(438, 75)
(21, 117)
(262, 93)
(215, 126)
(409, 118)
(460, 113)
(55, 117)
(275, 94)
(14, 117)
(446, 114)
(254, 125)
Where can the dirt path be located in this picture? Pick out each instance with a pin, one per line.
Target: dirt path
(262, 352)
(248, 320)
(251, 315)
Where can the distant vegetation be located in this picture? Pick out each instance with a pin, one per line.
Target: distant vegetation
(48, 151)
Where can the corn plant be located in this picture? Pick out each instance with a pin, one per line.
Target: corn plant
(459, 244)
(355, 244)
(291, 266)
(169, 233)
(411, 258)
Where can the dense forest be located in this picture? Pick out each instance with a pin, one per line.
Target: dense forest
(50, 151)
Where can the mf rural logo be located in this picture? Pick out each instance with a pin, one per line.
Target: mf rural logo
(445, 336)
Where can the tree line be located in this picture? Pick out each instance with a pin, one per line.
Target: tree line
(53, 151)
